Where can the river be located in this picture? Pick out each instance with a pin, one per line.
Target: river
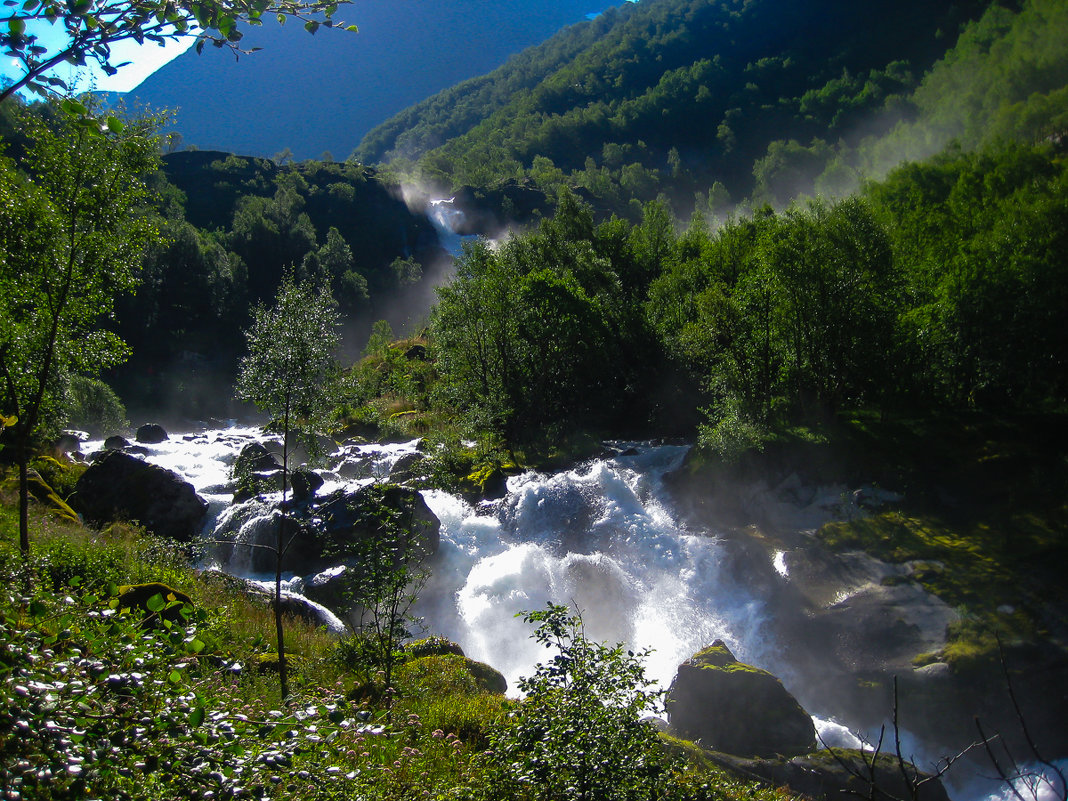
(601, 537)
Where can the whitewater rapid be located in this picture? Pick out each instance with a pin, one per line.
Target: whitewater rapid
(601, 537)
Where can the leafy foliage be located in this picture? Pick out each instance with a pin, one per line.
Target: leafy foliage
(71, 238)
(578, 735)
(91, 27)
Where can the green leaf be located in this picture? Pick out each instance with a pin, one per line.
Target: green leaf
(16, 26)
(196, 717)
(196, 646)
(311, 26)
(155, 603)
(175, 677)
(73, 107)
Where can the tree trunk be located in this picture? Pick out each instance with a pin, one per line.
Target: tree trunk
(283, 673)
(22, 456)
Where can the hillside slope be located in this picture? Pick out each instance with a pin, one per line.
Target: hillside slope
(323, 93)
(678, 95)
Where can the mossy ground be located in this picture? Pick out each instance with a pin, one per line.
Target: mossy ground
(983, 522)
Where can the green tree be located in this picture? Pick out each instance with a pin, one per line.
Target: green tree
(387, 577)
(91, 27)
(578, 735)
(285, 374)
(71, 236)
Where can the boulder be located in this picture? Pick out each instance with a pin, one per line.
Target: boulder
(403, 469)
(348, 518)
(483, 678)
(68, 441)
(433, 646)
(838, 773)
(120, 486)
(305, 483)
(116, 443)
(328, 532)
(151, 434)
(255, 457)
(256, 470)
(733, 707)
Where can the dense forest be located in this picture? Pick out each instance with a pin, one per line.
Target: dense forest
(718, 104)
(227, 228)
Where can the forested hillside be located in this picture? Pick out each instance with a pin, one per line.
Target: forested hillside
(715, 103)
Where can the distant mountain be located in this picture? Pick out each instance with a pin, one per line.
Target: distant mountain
(324, 92)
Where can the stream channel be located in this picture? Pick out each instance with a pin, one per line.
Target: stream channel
(601, 537)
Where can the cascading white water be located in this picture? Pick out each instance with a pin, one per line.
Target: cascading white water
(601, 537)
(598, 538)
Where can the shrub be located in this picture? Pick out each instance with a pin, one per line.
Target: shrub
(95, 407)
(579, 734)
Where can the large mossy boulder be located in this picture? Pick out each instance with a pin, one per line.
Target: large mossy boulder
(733, 707)
(118, 486)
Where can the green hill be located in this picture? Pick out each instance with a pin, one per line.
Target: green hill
(676, 95)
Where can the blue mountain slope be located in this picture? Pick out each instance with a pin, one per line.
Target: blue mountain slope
(324, 92)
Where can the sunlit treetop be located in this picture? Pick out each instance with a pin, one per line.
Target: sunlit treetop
(91, 27)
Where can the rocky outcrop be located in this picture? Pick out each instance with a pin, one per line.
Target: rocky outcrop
(151, 434)
(118, 486)
(840, 773)
(733, 707)
(328, 532)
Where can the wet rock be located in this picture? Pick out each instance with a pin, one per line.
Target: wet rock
(305, 483)
(840, 773)
(68, 441)
(730, 706)
(403, 469)
(121, 487)
(343, 523)
(151, 434)
(116, 443)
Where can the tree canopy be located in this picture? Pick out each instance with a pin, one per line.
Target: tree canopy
(71, 238)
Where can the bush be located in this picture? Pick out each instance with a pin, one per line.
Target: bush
(94, 407)
(579, 734)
